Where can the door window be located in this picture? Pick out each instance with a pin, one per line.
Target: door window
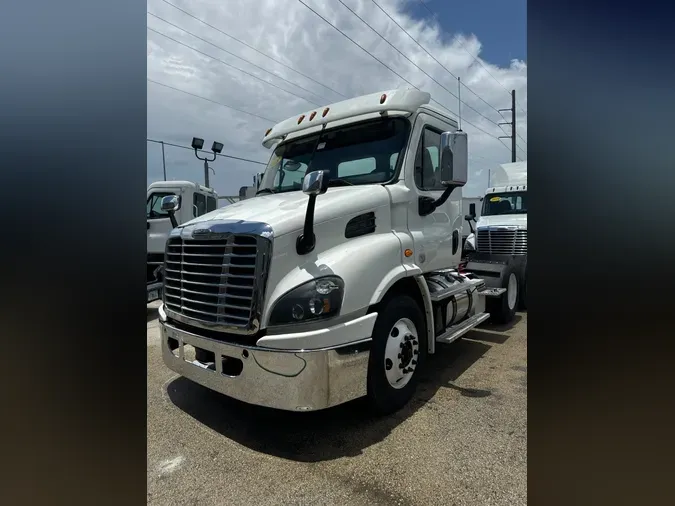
(211, 204)
(199, 205)
(427, 172)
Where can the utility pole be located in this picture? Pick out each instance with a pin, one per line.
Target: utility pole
(513, 125)
(163, 161)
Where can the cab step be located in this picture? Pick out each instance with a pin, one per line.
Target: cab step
(454, 332)
(492, 292)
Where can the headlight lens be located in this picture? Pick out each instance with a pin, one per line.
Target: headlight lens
(317, 299)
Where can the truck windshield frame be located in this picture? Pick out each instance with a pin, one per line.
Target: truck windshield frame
(506, 203)
(368, 152)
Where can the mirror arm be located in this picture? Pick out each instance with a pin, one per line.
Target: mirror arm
(172, 217)
(427, 205)
(307, 240)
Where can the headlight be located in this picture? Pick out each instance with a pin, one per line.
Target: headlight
(315, 300)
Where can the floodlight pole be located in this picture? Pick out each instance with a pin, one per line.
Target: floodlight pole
(206, 167)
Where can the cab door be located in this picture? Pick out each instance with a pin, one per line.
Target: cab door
(437, 236)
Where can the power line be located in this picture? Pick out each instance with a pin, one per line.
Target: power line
(232, 66)
(359, 45)
(430, 55)
(387, 66)
(523, 140)
(416, 66)
(213, 101)
(236, 56)
(217, 154)
(252, 48)
(472, 56)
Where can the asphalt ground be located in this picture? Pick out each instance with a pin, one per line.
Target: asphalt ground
(462, 440)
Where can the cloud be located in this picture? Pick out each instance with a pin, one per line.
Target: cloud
(291, 33)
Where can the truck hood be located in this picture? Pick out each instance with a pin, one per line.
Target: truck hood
(285, 212)
(504, 220)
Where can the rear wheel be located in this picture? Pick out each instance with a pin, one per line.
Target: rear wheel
(503, 309)
(399, 350)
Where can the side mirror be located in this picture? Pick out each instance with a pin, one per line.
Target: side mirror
(472, 209)
(454, 162)
(170, 203)
(469, 217)
(315, 183)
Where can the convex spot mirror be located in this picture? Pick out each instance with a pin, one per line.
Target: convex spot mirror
(454, 160)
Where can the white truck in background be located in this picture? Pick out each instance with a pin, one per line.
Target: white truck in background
(196, 200)
(340, 277)
(498, 249)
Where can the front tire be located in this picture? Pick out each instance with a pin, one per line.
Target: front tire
(503, 309)
(398, 352)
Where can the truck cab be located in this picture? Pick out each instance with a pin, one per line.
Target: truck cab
(340, 277)
(195, 200)
(499, 246)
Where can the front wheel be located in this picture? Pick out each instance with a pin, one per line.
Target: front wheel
(398, 352)
(503, 309)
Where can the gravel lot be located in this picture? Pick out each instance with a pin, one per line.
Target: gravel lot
(463, 440)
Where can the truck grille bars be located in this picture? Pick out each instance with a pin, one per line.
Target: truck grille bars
(217, 283)
(502, 241)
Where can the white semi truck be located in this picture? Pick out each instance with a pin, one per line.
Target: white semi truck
(196, 201)
(339, 278)
(499, 245)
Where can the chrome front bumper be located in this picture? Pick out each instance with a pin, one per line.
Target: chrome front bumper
(282, 379)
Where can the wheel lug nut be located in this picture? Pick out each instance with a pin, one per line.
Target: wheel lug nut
(400, 355)
(415, 352)
(414, 362)
(415, 343)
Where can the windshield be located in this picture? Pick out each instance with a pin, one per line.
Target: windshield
(366, 153)
(154, 206)
(505, 203)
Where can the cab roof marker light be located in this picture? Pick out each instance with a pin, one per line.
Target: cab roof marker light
(302, 116)
(325, 111)
(311, 116)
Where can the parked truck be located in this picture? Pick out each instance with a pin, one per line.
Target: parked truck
(498, 249)
(340, 277)
(196, 201)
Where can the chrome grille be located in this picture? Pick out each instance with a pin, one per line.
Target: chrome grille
(502, 241)
(215, 282)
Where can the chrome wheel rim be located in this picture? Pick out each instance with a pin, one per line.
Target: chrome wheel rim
(401, 353)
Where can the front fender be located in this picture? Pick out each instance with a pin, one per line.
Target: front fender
(369, 265)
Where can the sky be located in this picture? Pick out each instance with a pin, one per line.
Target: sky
(246, 65)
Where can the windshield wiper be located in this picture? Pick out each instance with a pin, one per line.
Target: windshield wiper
(339, 182)
(265, 190)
